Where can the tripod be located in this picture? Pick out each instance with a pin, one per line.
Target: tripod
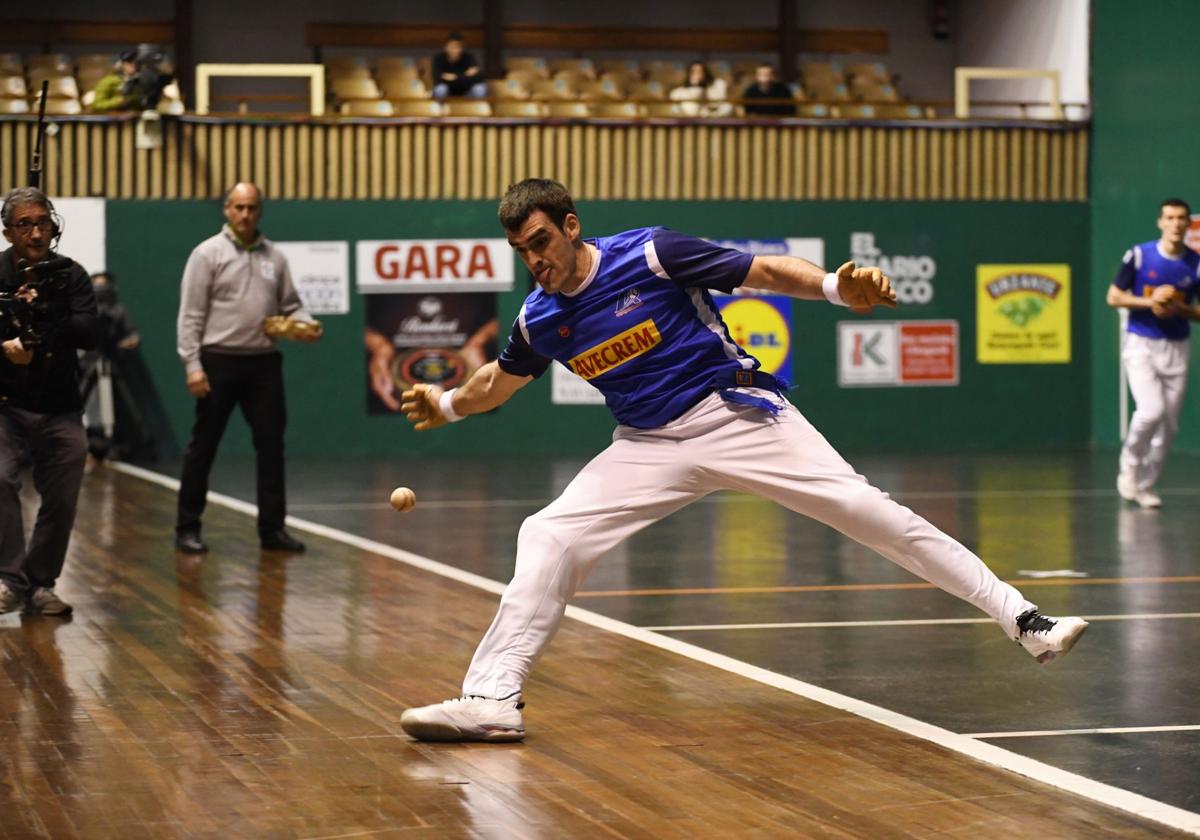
(99, 377)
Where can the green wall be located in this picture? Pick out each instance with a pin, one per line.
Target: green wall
(1146, 105)
(995, 408)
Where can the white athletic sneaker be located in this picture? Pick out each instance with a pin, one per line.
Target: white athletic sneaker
(1127, 486)
(1045, 637)
(467, 719)
(1148, 499)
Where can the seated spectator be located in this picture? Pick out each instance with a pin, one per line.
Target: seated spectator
(767, 87)
(456, 72)
(701, 95)
(110, 90)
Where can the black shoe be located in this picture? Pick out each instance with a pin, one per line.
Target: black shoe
(189, 542)
(280, 540)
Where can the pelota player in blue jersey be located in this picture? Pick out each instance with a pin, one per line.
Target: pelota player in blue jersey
(632, 314)
(1158, 283)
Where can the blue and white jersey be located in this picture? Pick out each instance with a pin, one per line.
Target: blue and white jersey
(643, 329)
(1142, 269)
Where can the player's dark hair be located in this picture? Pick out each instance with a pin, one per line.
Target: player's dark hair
(1175, 202)
(523, 198)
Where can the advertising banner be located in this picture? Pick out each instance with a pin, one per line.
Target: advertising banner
(434, 265)
(897, 353)
(434, 339)
(321, 274)
(1023, 313)
(762, 326)
(84, 238)
(912, 274)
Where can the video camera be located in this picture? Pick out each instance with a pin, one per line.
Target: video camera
(145, 87)
(28, 312)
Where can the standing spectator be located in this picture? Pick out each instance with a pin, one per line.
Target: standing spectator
(39, 401)
(767, 87)
(456, 72)
(702, 95)
(233, 282)
(1157, 283)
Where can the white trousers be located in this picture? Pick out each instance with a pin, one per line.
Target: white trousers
(647, 474)
(1157, 372)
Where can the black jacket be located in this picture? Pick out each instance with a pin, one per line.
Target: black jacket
(462, 83)
(65, 322)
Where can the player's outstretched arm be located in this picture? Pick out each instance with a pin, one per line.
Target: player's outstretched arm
(428, 406)
(859, 288)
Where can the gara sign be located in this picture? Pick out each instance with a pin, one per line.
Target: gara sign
(434, 265)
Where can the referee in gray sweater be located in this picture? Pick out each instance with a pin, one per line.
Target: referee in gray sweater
(232, 282)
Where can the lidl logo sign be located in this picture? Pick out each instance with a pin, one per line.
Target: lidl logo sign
(762, 326)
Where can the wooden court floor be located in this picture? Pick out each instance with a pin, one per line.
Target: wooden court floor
(256, 694)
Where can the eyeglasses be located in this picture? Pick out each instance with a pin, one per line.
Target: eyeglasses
(24, 226)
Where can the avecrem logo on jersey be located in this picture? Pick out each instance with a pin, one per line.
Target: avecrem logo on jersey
(912, 275)
(616, 351)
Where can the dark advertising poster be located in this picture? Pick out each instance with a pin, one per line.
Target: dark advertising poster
(438, 339)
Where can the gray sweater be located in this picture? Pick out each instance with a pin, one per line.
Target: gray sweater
(227, 291)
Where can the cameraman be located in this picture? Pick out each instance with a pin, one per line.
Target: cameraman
(45, 318)
(143, 86)
(115, 333)
(116, 330)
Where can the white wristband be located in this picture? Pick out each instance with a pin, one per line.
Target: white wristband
(447, 409)
(829, 287)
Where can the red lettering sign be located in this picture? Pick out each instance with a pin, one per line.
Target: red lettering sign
(389, 270)
(480, 263)
(447, 261)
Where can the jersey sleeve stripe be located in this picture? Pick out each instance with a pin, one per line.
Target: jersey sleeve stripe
(653, 263)
(521, 324)
(714, 323)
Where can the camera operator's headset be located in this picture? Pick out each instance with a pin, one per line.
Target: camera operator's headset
(22, 196)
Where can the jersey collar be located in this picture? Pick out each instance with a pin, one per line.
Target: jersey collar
(587, 281)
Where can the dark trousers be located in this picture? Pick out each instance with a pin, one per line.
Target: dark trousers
(256, 384)
(57, 445)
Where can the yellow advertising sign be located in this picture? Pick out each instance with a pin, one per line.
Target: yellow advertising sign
(1023, 314)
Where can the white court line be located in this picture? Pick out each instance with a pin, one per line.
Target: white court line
(1111, 730)
(1123, 800)
(723, 499)
(899, 622)
(425, 504)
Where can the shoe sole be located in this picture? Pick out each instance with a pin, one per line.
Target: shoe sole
(67, 610)
(432, 731)
(1068, 643)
